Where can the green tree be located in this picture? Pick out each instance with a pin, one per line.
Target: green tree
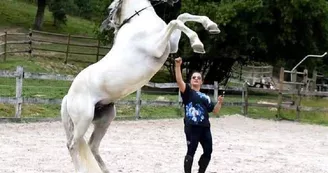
(39, 17)
(277, 32)
(85, 8)
(59, 9)
(294, 29)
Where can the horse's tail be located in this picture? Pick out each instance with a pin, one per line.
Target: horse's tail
(66, 120)
(88, 158)
(85, 153)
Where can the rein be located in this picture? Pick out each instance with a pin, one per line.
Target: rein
(137, 13)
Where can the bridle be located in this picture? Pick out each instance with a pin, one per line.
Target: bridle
(137, 13)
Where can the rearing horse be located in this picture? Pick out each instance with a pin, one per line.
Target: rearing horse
(142, 44)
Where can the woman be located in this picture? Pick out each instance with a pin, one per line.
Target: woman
(197, 105)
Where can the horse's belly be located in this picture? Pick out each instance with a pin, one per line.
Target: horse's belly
(119, 91)
(119, 83)
(117, 86)
(121, 73)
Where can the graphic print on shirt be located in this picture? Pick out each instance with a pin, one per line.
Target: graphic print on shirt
(197, 105)
(202, 95)
(195, 113)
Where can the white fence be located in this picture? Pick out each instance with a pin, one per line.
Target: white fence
(20, 75)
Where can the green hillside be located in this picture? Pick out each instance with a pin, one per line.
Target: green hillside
(14, 18)
(19, 15)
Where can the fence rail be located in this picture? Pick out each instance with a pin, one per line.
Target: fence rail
(31, 42)
(20, 75)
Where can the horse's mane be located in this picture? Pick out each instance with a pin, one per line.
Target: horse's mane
(113, 16)
(114, 10)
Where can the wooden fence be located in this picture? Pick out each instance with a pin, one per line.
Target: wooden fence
(251, 74)
(5, 44)
(305, 87)
(20, 75)
(32, 40)
(256, 75)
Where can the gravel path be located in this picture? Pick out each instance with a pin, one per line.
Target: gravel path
(158, 146)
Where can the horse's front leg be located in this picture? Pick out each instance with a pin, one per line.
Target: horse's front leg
(204, 20)
(174, 41)
(186, 17)
(161, 42)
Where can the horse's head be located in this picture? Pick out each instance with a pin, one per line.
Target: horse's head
(171, 2)
(115, 19)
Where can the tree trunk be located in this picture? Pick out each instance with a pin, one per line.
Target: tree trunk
(40, 14)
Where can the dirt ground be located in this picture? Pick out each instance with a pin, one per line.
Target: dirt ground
(158, 146)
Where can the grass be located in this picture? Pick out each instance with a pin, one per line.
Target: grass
(57, 89)
(12, 15)
(71, 57)
(42, 64)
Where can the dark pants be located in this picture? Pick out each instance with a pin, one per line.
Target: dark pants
(199, 134)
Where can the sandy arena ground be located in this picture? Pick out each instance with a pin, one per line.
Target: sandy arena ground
(158, 146)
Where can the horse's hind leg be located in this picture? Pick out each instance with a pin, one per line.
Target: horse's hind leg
(204, 20)
(105, 116)
(81, 117)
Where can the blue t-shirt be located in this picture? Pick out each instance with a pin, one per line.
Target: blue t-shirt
(197, 105)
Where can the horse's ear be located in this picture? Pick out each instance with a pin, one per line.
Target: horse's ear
(104, 25)
(171, 2)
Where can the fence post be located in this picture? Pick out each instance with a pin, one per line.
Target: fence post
(243, 98)
(179, 97)
(98, 44)
(293, 76)
(19, 90)
(253, 80)
(67, 49)
(5, 47)
(314, 81)
(281, 83)
(216, 91)
(305, 80)
(245, 94)
(298, 103)
(138, 103)
(180, 104)
(240, 72)
(30, 43)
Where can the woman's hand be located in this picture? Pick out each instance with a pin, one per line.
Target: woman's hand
(178, 61)
(220, 100)
(178, 75)
(218, 105)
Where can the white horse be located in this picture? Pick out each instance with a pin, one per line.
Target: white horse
(142, 44)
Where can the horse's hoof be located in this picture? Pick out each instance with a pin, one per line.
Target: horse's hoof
(198, 48)
(213, 28)
(214, 31)
(203, 52)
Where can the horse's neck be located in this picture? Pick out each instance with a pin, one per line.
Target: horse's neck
(130, 7)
